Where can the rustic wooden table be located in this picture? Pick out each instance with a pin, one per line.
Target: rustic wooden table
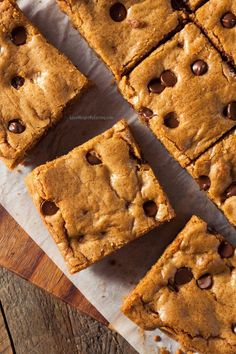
(34, 322)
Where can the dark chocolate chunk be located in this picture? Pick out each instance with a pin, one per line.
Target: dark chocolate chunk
(146, 113)
(155, 86)
(171, 120)
(150, 208)
(199, 67)
(231, 190)
(19, 35)
(118, 12)
(230, 110)
(228, 20)
(205, 282)
(17, 82)
(49, 208)
(92, 158)
(204, 182)
(15, 126)
(183, 275)
(168, 78)
(226, 250)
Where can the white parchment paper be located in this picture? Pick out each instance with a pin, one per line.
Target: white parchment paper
(103, 284)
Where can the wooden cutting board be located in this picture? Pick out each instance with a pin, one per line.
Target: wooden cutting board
(21, 255)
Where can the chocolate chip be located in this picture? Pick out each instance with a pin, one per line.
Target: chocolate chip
(230, 191)
(150, 208)
(19, 35)
(230, 110)
(178, 4)
(17, 82)
(118, 12)
(172, 286)
(168, 78)
(199, 67)
(146, 113)
(204, 182)
(49, 208)
(171, 120)
(211, 230)
(225, 250)
(205, 281)
(183, 275)
(228, 20)
(233, 327)
(92, 158)
(155, 86)
(15, 126)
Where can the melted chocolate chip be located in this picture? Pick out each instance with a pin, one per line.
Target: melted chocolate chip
(146, 113)
(205, 282)
(168, 78)
(155, 86)
(150, 208)
(15, 126)
(225, 250)
(233, 327)
(183, 276)
(228, 20)
(171, 120)
(230, 191)
(230, 110)
(199, 67)
(204, 182)
(49, 208)
(178, 4)
(17, 82)
(92, 158)
(19, 35)
(118, 12)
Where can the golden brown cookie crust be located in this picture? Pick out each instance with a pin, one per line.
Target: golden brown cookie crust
(197, 101)
(122, 44)
(100, 201)
(201, 319)
(39, 96)
(215, 171)
(209, 18)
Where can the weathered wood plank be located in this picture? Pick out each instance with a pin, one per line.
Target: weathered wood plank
(5, 342)
(39, 323)
(20, 254)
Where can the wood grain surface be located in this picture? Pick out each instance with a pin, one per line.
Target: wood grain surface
(21, 255)
(36, 322)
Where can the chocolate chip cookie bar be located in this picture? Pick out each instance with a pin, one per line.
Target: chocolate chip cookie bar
(218, 20)
(190, 292)
(122, 33)
(215, 172)
(98, 197)
(178, 96)
(36, 84)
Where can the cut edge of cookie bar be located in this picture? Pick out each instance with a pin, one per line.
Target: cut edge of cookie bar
(194, 5)
(198, 19)
(78, 90)
(131, 95)
(66, 6)
(136, 305)
(76, 263)
(203, 180)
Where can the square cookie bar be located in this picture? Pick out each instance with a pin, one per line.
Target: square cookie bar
(218, 20)
(215, 171)
(99, 197)
(122, 33)
(36, 83)
(183, 92)
(190, 292)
